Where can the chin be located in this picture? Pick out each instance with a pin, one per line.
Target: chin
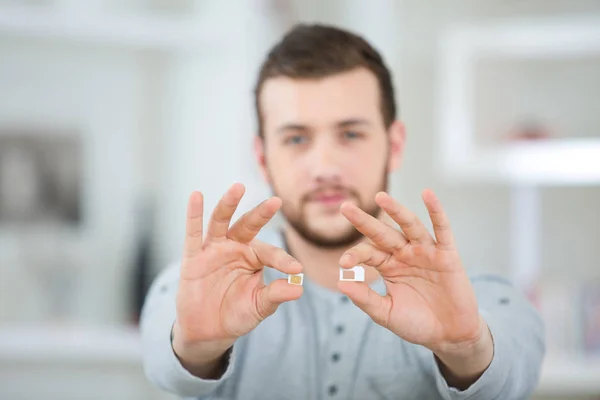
(331, 227)
(332, 236)
(332, 231)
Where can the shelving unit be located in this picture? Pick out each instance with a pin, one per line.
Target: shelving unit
(524, 166)
(517, 163)
(68, 362)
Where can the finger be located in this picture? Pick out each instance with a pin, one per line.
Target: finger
(376, 306)
(275, 257)
(382, 235)
(193, 225)
(221, 216)
(363, 253)
(247, 227)
(412, 227)
(441, 224)
(274, 294)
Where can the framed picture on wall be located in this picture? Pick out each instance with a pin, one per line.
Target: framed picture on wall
(40, 177)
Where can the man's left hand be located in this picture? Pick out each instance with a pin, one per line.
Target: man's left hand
(430, 300)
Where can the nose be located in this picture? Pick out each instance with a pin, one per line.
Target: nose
(325, 164)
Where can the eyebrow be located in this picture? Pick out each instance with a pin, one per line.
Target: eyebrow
(352, 122)
(341, 124)
(292, 127)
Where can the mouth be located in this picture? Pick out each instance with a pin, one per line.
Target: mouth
(330, 199)
(333, 198)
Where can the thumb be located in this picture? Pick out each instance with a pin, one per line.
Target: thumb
(376, 306)
(269, 297)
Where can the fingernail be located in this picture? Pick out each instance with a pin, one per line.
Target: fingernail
(345, 258)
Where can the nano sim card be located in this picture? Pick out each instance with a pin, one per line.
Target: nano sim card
(296, 279)
(355, 274)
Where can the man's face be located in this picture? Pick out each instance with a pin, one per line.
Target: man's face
(325, 142)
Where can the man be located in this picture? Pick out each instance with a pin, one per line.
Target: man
(221, 325)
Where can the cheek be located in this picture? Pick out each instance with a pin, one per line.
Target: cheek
(366, 168)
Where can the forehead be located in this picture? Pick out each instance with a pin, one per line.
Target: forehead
(352, 94)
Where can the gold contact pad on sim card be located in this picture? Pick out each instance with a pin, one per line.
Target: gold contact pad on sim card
(296, 279)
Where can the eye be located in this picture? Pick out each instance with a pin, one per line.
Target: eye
(295, 139)
(352, 135)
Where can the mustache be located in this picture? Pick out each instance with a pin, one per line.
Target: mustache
(337, 189)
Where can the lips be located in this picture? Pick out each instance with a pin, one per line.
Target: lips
(330, 197)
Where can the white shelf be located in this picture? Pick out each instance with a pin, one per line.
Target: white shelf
(138, 31)
(547, 162)
(570, 376)
(70, 344)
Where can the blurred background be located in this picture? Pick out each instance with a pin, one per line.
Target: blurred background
(112, 112)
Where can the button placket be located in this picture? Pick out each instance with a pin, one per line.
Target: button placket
(339, 371)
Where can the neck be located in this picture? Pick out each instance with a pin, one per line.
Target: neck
(320, 265)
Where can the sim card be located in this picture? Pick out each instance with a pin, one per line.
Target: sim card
(354, 274)
(296, 279)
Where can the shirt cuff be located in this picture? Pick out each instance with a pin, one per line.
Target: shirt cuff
(186, 384)
(491, 383)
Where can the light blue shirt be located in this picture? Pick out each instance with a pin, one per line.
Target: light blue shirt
(323, 347)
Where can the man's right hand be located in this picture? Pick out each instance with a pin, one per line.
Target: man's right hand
(221, 294)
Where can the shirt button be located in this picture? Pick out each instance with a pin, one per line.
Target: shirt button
(332, 390)
(339, 329)
(335, 357)
(345, 299)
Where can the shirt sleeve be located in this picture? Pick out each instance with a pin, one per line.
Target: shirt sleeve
(519, 346)
(161, 365)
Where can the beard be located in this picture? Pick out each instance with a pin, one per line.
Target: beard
(298, 219)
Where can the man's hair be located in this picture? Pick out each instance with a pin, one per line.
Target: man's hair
(318, 51)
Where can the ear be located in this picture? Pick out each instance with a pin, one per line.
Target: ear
(261, 160)
(397, 137)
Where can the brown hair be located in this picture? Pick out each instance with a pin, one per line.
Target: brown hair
(317, 51)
